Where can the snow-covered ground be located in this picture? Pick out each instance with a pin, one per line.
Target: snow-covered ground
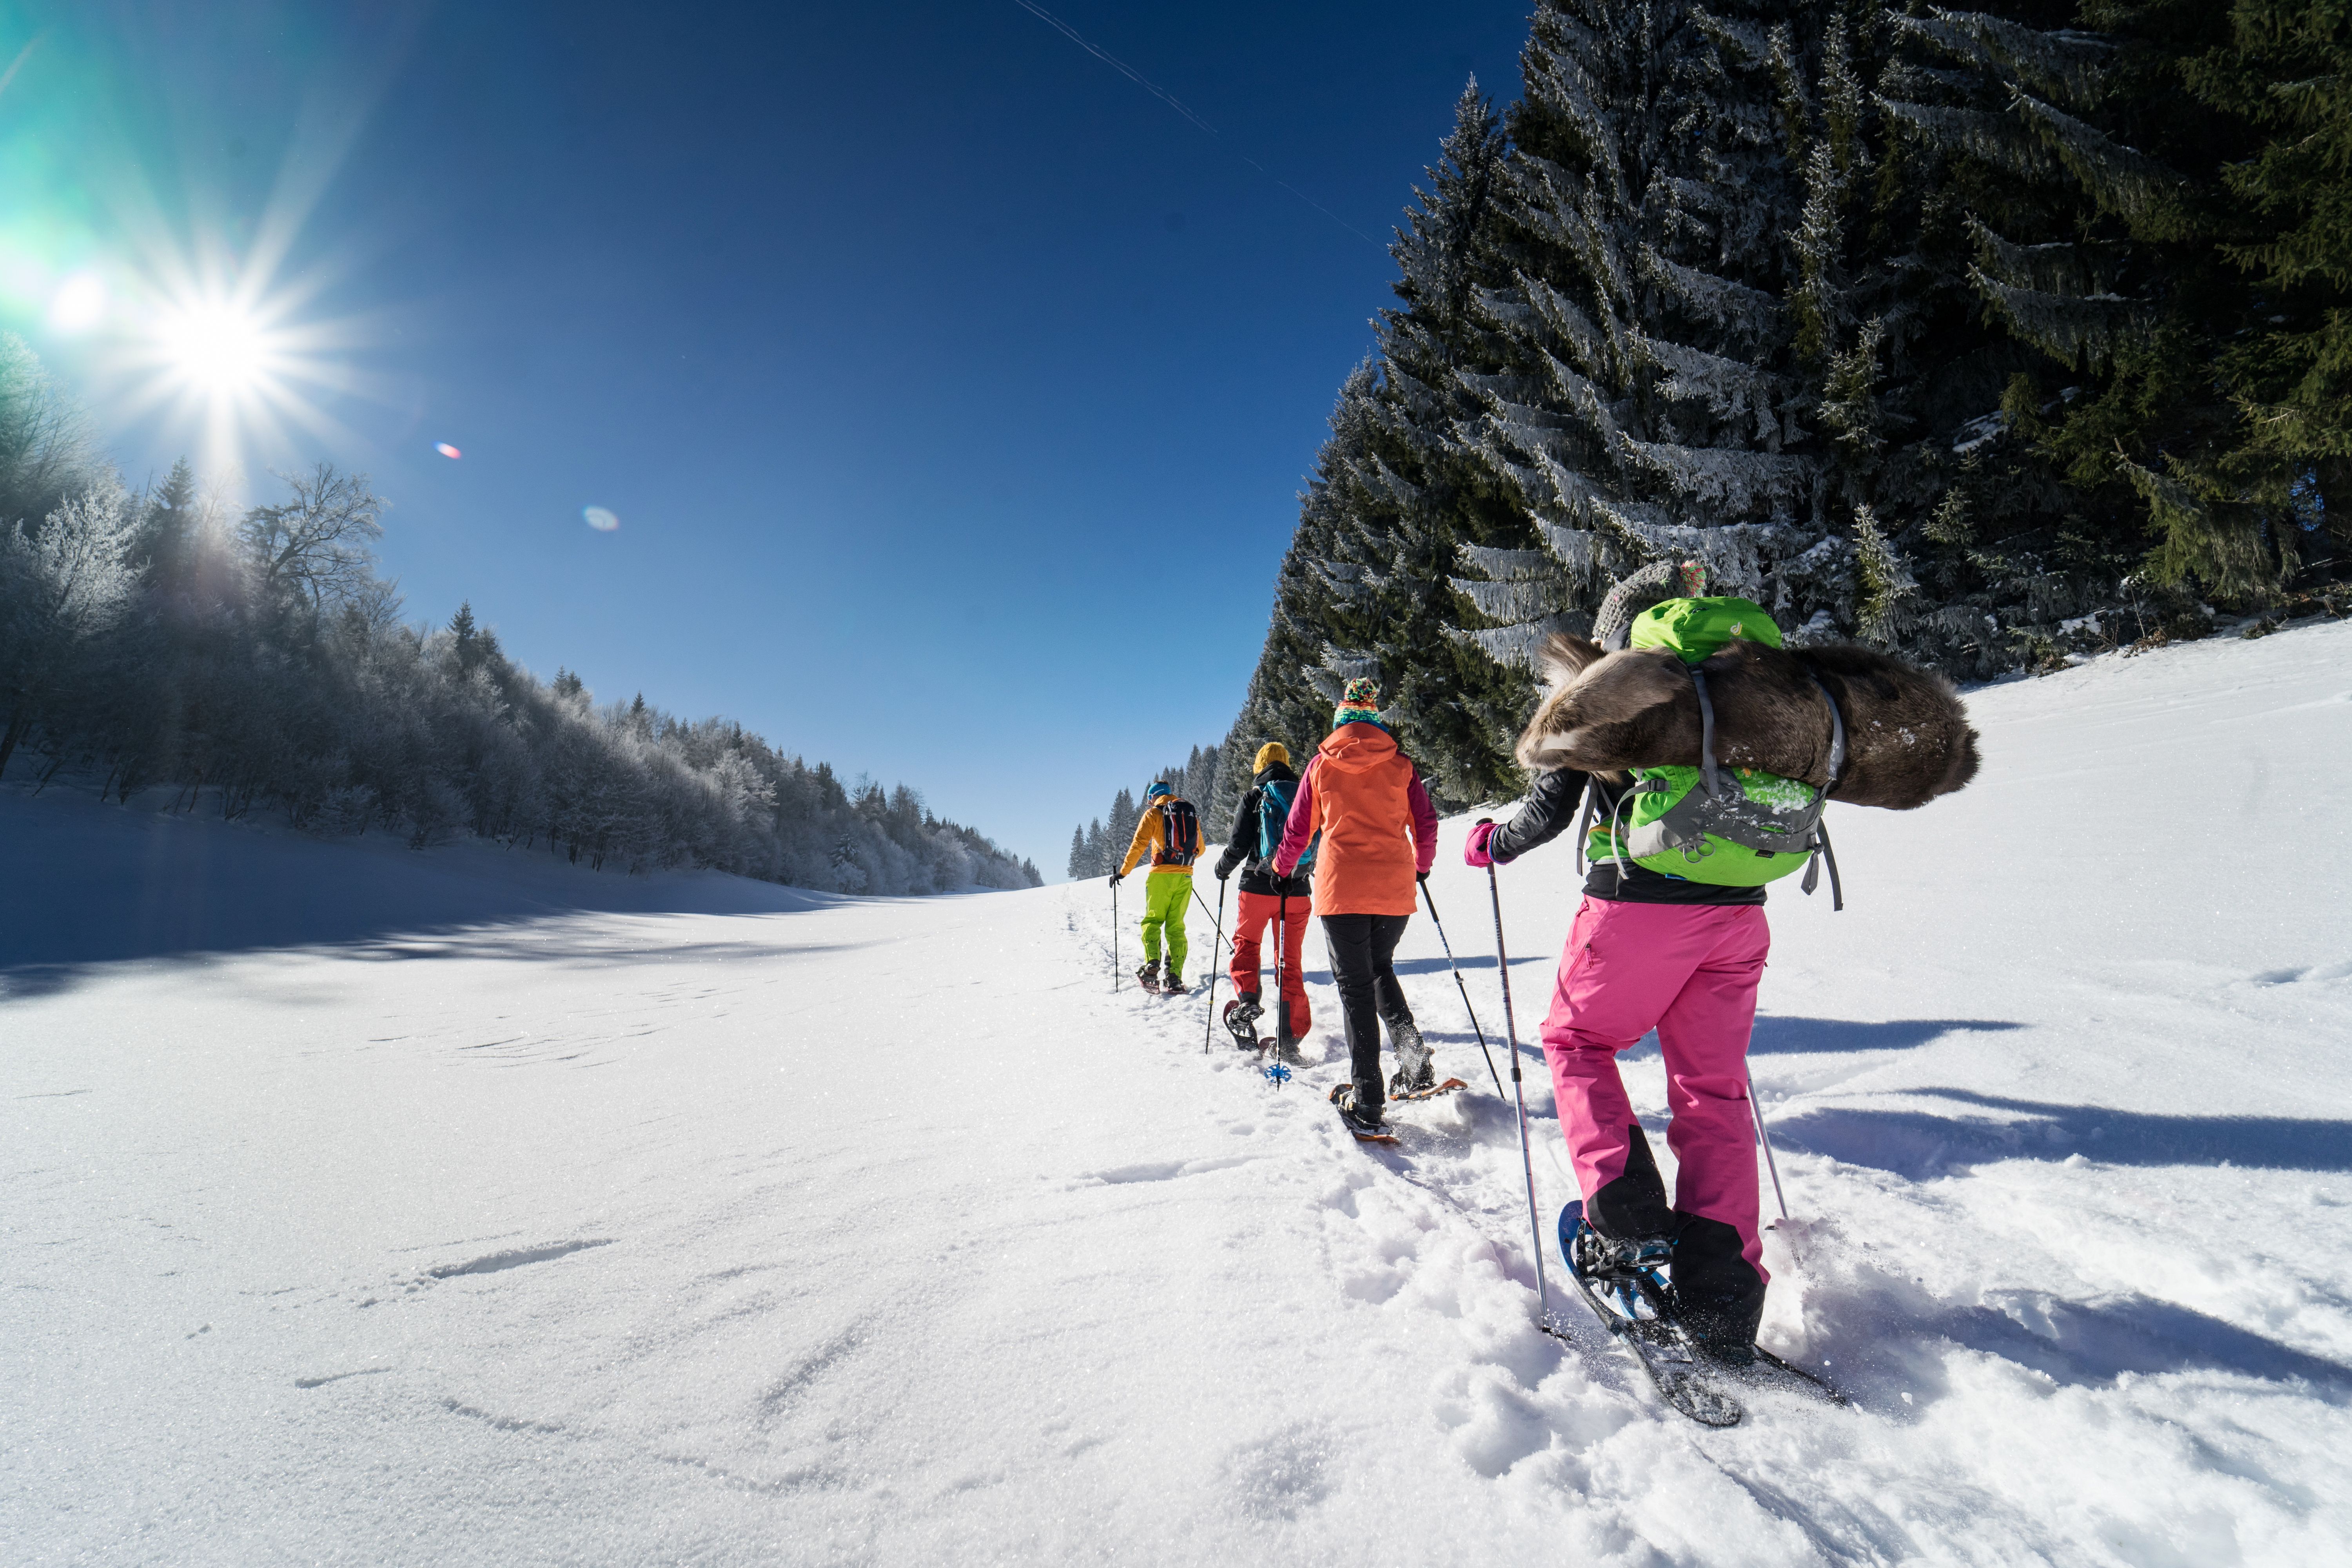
(364, 1206)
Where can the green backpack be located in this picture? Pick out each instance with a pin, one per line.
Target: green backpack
(1729, 827)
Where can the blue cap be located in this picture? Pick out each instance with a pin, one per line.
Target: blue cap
(1159, 787)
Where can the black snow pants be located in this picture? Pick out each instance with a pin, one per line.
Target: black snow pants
(1364, 949)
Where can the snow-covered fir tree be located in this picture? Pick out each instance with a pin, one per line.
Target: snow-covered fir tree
(2004, 146)
(1365, 586)
(1642, 390)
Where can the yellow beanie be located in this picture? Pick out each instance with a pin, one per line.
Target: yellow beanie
(1272, 752)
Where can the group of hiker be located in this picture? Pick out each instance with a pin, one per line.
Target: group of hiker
(1347, 843)
(1648, 950)
(1701, 753)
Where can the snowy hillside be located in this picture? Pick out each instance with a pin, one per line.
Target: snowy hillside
(367, 1207)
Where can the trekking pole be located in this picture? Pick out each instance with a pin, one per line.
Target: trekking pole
(1526, 1160)
(1461, 988)
(1765, 1138)
(1220, 918)
(1216, 944)
(1114, 933)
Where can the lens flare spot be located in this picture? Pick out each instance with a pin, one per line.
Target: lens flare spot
(447, 451)
(600, 520)
(79, 304)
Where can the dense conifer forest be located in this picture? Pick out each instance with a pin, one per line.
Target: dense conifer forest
(253, 660)
(1986, 336)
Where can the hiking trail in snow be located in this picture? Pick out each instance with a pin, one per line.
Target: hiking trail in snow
(373, 1207)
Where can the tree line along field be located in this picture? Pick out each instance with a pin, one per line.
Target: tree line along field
(258, 661)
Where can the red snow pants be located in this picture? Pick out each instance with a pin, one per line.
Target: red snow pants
(1688, 971)
(1258, 912)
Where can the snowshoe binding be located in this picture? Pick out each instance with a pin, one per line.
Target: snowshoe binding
(1172, 984)
(1148, 976)
(1366, 1125)
(1242, 1015)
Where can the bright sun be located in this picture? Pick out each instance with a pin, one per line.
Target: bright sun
(233, 358)
(216, 348)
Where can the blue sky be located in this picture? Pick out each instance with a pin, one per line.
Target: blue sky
(953, 390)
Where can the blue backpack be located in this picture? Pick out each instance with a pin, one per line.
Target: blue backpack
(1274, 800)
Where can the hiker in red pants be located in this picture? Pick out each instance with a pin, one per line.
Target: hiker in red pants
(1266, 899)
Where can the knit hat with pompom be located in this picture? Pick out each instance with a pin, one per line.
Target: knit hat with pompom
(1360, 703)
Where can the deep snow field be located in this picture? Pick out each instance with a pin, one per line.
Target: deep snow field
(359, 1206)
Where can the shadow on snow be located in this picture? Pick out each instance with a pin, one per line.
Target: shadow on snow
(1918, 1144)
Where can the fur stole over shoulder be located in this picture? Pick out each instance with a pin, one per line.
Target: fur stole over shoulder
(1907, 734)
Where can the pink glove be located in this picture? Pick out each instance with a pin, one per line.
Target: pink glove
(1474, 852)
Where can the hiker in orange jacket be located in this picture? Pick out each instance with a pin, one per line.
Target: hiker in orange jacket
(1380, 836)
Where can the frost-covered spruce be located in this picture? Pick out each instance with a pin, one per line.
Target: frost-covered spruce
(1641, 390)
(1364, 589)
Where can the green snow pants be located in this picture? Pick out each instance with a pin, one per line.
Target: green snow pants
(1165, 896)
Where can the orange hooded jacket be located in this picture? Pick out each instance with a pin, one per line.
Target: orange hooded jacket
(1380, 831)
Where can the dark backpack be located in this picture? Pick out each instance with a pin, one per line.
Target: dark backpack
(1274, 801)
(1183, 824)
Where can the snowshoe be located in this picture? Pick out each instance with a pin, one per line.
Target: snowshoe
(1367, 1126)
(1242, 1015)
(1432, 1092)
(1620, 1280)
(1149, 977)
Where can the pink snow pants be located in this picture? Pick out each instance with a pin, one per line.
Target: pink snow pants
(1688, 971)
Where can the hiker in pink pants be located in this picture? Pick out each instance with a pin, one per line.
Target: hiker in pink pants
(1653, 951)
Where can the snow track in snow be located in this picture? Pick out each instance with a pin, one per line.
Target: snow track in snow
(515, 1214)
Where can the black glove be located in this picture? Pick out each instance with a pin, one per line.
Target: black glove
(1115, 875)
(1226, 864)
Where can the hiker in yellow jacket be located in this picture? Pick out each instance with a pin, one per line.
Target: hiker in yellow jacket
(1169, 835)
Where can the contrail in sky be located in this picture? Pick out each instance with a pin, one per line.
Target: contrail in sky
(1171, 99)
(22, 55)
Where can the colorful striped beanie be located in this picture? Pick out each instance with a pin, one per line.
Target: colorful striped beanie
(1360, 703)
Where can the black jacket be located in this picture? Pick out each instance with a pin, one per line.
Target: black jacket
(1242, 847)
(1552, 809)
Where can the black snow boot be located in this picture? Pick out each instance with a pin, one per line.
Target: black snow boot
(1634, 1205)
(1242, 1015)
(1416, 1063)
(1149, 975)
(1717, 1295)
(1359, 1107)
(1171, 983)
